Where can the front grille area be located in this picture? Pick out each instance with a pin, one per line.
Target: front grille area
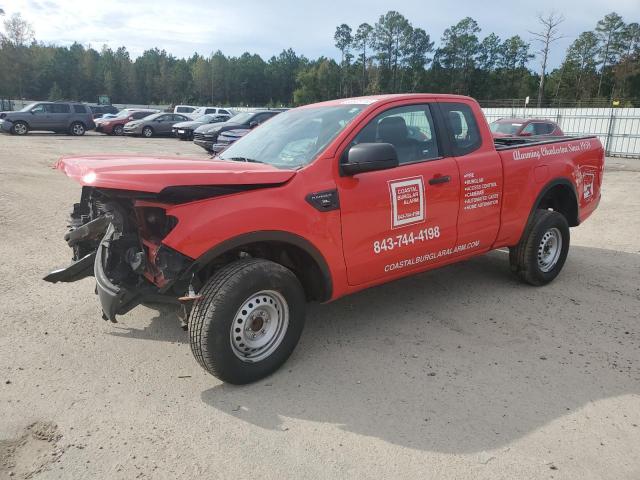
(202, 136)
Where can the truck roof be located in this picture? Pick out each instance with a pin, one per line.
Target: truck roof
(370, 99)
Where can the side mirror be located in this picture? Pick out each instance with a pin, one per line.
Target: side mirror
(526, 134)
(368, 157)
(32, 112)
(253, 124)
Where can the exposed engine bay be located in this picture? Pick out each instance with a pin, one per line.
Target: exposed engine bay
(116, 236)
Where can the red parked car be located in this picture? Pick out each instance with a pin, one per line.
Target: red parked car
(524, 127)
(317, 203)
(115, 126)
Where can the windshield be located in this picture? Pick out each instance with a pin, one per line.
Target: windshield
(294, 138)
(208, 118)
(29, 107)
(508, 128)
(242, 117)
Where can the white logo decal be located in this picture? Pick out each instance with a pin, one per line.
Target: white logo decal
(407, 201)
(587, 185)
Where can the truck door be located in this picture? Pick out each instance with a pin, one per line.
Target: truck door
(480, 170)
(404, 218)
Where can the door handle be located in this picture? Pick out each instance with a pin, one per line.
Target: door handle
(441, 179)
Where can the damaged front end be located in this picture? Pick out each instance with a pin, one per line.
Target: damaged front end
(116, 236)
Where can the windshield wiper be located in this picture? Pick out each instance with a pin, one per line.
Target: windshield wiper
(244, 159)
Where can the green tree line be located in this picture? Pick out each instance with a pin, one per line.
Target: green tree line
(390, 56)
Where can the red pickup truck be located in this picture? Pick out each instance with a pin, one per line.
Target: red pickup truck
(320, 202)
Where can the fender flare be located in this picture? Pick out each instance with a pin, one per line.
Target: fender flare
(554, 183)
(270, 236)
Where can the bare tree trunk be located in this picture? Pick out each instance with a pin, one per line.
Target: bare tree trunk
(604, 65)
(546, 37)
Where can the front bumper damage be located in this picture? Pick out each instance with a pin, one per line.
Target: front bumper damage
(129, 269)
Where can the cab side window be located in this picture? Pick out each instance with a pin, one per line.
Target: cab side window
(530, 129)
(409, 129)
(38, 109)
(463, 129)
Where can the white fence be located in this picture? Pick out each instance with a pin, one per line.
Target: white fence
(617, 128)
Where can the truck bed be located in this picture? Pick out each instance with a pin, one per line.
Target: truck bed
(507, 143)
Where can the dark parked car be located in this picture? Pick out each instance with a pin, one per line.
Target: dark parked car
(206, 136)
(227, 138)
(115, 125)
(184, 130)
(60, 117)
(156, 124)
(99, 110)
(521, 127)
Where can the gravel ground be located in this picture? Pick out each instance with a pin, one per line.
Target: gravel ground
(458, 373)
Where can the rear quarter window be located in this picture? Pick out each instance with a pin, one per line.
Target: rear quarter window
(463, 131)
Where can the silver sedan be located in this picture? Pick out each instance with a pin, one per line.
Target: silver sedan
(157, 124)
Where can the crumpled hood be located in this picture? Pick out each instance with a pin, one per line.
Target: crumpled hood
(153, 174)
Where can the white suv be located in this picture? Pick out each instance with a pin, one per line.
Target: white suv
(198, 112)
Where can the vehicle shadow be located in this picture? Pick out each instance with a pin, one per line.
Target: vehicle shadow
(164, 326)
(461, 359)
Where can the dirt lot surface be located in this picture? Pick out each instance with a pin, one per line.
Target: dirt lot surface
(458, 373)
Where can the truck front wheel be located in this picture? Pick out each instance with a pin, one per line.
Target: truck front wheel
(543, 248)
(248, 320)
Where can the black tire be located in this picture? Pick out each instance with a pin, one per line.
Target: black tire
(118, 130)
(533, 260)
(20, 128)
(77, 129)
(215, 319)
(147, 132)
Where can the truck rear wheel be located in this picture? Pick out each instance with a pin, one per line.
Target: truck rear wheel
(543, 248)
(248, 320)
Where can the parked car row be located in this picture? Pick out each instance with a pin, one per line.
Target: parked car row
(212, 128)
(115, 125)
(184, 130)
(208, 136)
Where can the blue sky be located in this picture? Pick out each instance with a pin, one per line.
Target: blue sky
(267, 27)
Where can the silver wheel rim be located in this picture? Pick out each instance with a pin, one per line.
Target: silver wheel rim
(20, 128)
(78, 129)
(549, 249)
(147, 132)
(118, 130)
(259, 326)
